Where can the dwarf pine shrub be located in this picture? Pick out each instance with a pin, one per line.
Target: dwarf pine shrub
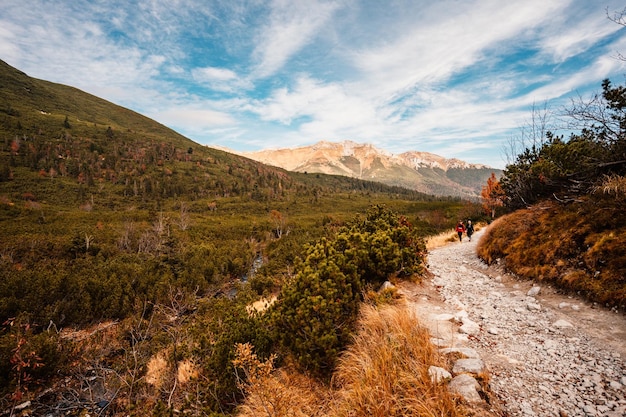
(315, 314)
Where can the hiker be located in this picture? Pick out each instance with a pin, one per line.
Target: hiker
(469, 230)
(460, 229)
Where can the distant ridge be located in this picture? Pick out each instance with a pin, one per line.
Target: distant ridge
(421, 171)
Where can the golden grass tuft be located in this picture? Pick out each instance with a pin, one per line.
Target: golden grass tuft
(614, 185)
(273, 392)
(442, 239)
(385, 370)
(383, 373)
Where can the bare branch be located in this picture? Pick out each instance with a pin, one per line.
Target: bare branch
(593, 113)
(620, 19)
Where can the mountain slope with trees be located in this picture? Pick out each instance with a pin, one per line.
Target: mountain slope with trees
(569, 195)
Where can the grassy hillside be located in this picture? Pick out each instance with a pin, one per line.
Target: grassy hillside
(580, 247)
(129, 254)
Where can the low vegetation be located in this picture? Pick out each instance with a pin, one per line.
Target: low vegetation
(315, 314)
(383, 372)
(580, 247)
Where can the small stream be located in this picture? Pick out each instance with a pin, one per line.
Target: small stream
(256, 264)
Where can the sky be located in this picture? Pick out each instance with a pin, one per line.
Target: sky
(458, 78)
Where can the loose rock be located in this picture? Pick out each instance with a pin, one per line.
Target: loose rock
(541, 362)
(438, 374)
(466, 386)
(469, 366)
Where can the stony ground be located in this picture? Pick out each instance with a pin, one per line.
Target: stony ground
(547, 354)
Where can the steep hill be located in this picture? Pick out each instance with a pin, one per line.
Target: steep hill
(421, 171)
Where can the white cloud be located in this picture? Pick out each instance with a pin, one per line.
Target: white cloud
(568, 36)
(328, 107)
(439, 45)
(292, 25)
(598, 70)
(195, 120)
(220, 79)
(213, 74)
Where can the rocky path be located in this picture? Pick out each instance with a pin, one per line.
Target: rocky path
(547, 354)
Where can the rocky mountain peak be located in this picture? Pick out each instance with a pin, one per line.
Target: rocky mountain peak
(422, 171)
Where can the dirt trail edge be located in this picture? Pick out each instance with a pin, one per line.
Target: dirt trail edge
(548, 354)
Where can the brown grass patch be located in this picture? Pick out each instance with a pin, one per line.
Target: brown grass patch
(580, 247)
(261, 305)
(385, 370)
(278, 393)
(157, 369)
(442, 239)
(187, 370)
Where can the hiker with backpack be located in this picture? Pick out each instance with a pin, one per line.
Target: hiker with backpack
(460, 229)
(469, 230)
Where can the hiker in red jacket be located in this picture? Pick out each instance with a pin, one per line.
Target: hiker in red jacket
(460, 229)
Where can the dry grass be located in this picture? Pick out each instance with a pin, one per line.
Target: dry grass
(383, 373)
(579, 247)
(278, 393)
(261, 305)
(614, 186)
(442, 239)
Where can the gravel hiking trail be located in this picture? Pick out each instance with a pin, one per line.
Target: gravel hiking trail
(548, 354)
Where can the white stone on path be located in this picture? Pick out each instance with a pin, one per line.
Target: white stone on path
(469, 327)
(563, 324)
(468, 366)
(535, 290)
(438, 374)
(466, 386)
(533, 306)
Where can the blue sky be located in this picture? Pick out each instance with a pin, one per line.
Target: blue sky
(453, 77)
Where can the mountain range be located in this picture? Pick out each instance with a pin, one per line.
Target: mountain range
(421, 171)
